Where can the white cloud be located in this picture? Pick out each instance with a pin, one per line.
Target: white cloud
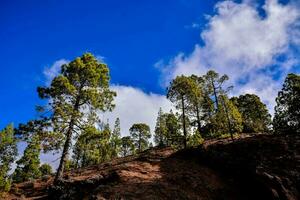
(240, 42)
(53, 70)
(135, 106)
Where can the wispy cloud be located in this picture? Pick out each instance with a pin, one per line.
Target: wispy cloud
(51, 71)
(240, 42)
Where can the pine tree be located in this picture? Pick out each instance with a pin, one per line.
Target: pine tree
(45, 169)
(173, 129)
(8, 152)
(287, 110)
(160, 132)
(214, 84)
(255, 115)
(180, 93)
(228, 118)
(195, 139)
(76, 94)
(92, 147)
(140, 134)
(28, 165)
(197, 101)
(115, 140)
(127, 146)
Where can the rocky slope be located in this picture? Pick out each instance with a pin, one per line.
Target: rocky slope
(260, 167)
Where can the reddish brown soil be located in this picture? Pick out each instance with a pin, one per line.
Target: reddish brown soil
(162, 173)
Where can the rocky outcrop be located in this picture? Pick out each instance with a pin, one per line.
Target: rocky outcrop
(269, 163)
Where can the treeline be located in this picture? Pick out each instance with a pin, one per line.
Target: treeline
(204, 110)
(69, 120)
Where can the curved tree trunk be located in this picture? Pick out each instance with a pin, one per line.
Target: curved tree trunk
(64, 156)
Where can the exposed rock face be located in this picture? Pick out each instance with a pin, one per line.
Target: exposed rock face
(260, 167)
(272, 163)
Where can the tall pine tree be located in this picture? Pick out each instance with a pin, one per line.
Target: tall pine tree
(256, 117)
(287, 110)
(28, 165)
(115, 140)
(8, 153)
(76, 95)
(160, 132)
(127, 146)
(140, 134)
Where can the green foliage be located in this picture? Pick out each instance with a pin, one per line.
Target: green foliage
(28, 165)
(34, 128)
(140, 134)
(115, 140)
(201, 103)
(8, 152)
(69, 165)
(127, 146)
(195, 139)
(228, 118)
(160, 132)
(173, 129)
(287, 110)
(256, 117)
(183, 93)
(45, 169)
(95, 146)
(92, 147)
(76, 95)
(214, 85)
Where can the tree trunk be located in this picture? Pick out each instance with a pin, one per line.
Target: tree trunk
(64, 156)
(183, 121)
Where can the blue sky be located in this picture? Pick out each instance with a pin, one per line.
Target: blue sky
(131, 35)
(145, 44)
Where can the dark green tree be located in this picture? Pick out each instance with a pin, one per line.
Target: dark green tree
(173, 129)
(160, 132)
(255, 115)
(115, 140)
(197, 101)
(28, 165)
(287, 111)
(76, 95)
(228, 118)
(140, 134)
(92, 147)
(195, 139)
(8, 153)
(45, 169)
(214, 84)
(180, 93)
(127, 146)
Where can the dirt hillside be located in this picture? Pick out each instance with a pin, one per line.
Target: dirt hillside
(260, 167)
